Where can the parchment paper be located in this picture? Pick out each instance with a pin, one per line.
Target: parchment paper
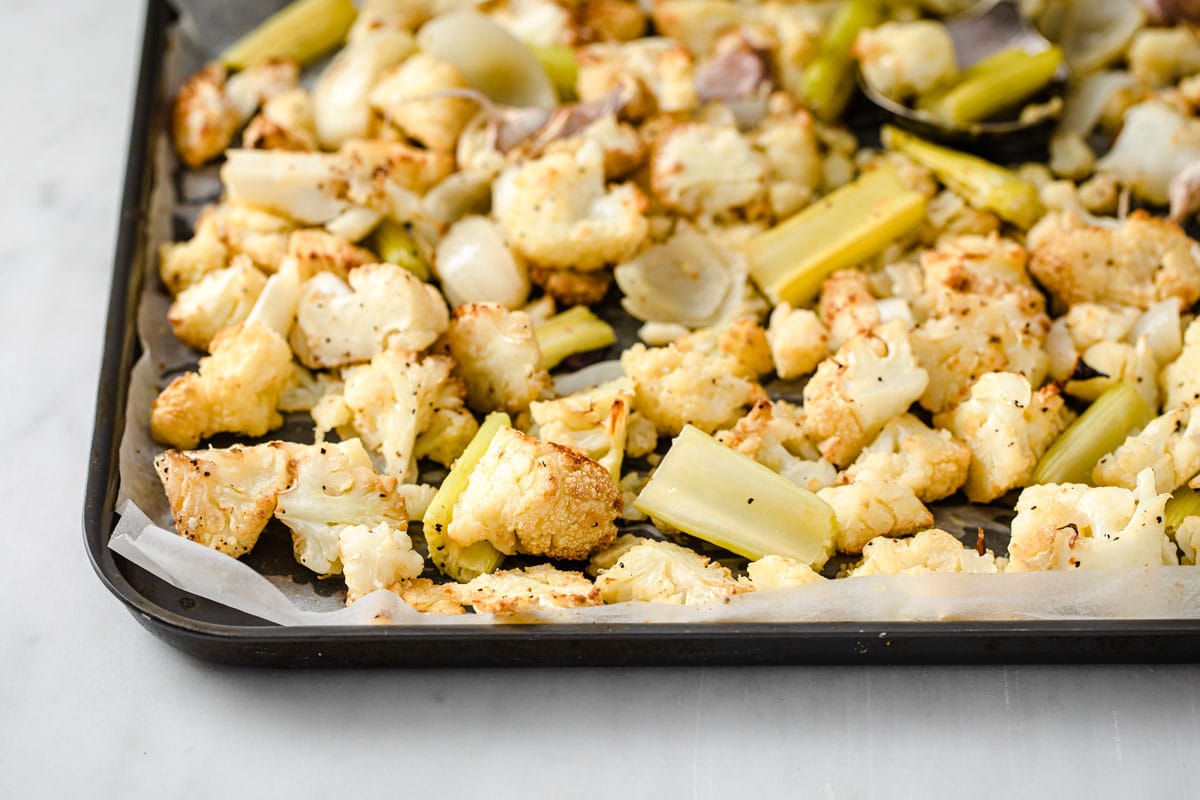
(273, 592)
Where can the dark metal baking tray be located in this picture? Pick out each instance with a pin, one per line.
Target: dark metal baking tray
(211, 631)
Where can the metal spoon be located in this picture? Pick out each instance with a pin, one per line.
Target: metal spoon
(989, 27)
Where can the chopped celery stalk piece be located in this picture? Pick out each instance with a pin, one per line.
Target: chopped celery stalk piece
(452, 559)
(982, 183)
(576, 330)
(998, 82)
(1097, 432)
(828, 80)
(710, 491)
(392, 242)
(843, 229)
(304, 30)
(1184, 503)
(561, 66)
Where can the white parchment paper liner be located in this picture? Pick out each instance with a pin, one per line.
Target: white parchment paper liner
(144, 533)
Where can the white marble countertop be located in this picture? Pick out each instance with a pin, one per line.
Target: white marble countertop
(93, 706)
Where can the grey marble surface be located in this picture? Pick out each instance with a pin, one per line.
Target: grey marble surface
(92, 706)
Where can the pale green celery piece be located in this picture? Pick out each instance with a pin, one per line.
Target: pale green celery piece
(982, 183)
(452, 559)
(712, 492)
(1098, 431)
(1000, 81)
(841, 230)
(392, 242)
(304, 30)
(1184, 503)
(561, 66)
(576, 330)
(828, 80)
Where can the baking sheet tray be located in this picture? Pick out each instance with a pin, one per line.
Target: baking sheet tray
(209, 630)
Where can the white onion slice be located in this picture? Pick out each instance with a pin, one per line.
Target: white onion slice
(588, 377)
(474, 265)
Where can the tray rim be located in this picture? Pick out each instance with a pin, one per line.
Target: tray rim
(677, 644)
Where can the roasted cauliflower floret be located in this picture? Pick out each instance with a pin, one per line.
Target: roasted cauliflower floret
(223, 498)
(1160, 56)
(513, 591)
(982, 335)
(1169, 446)
(1084, 325)
(788, 141)
(773, 435)
(538, 498)
(376, 558)
(341, 95)
(874, 506)
(235, 389)
(218, 300)
(1105, 364)
(1181, 378)
(798, 340)
(933, 550)
(780, 572)
(334, 487)
(852, 395)
(654, 74)
(930, 462)
(978, 265)
(1072, 525)
(287, 122)
(1008, 427)
(316, 250)
(428, 597)
(498, 357)
(404, 407)
(1187, 536)
(675, 387)
(705, 169)
(1138, 263)
(661, 572)
(557, 212)
(181, 264)
(412, 96)
(592, 421)
(847, 307)
(383, 306)
(743, 341)
(903, 59)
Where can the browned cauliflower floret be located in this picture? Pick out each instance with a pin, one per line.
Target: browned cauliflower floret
(675, 387)
(1008, 427)
(592, 421)
(930, 462)
(705, 169)
(516, 590)
(743, 341)
(557, 212)
(316, 250)
(181, 264)
(874, 506)
(661, 572)
(223, 498)
(932, 550)
(794, 172)
(852, 395)
(773, 435)
(376, 558)
(847, 307)
(655, 74)
(334, 487)
(235, 389)
(780, 572)
(1072, 525)
(1137, 263)
(1160, 56)
(538, 498)
(498, 357)
(384, 306)
(798, 340)
(428, 597)
(412, 96)
(218, 300)
(286, 122)
(1181, 378)
(404, 407)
